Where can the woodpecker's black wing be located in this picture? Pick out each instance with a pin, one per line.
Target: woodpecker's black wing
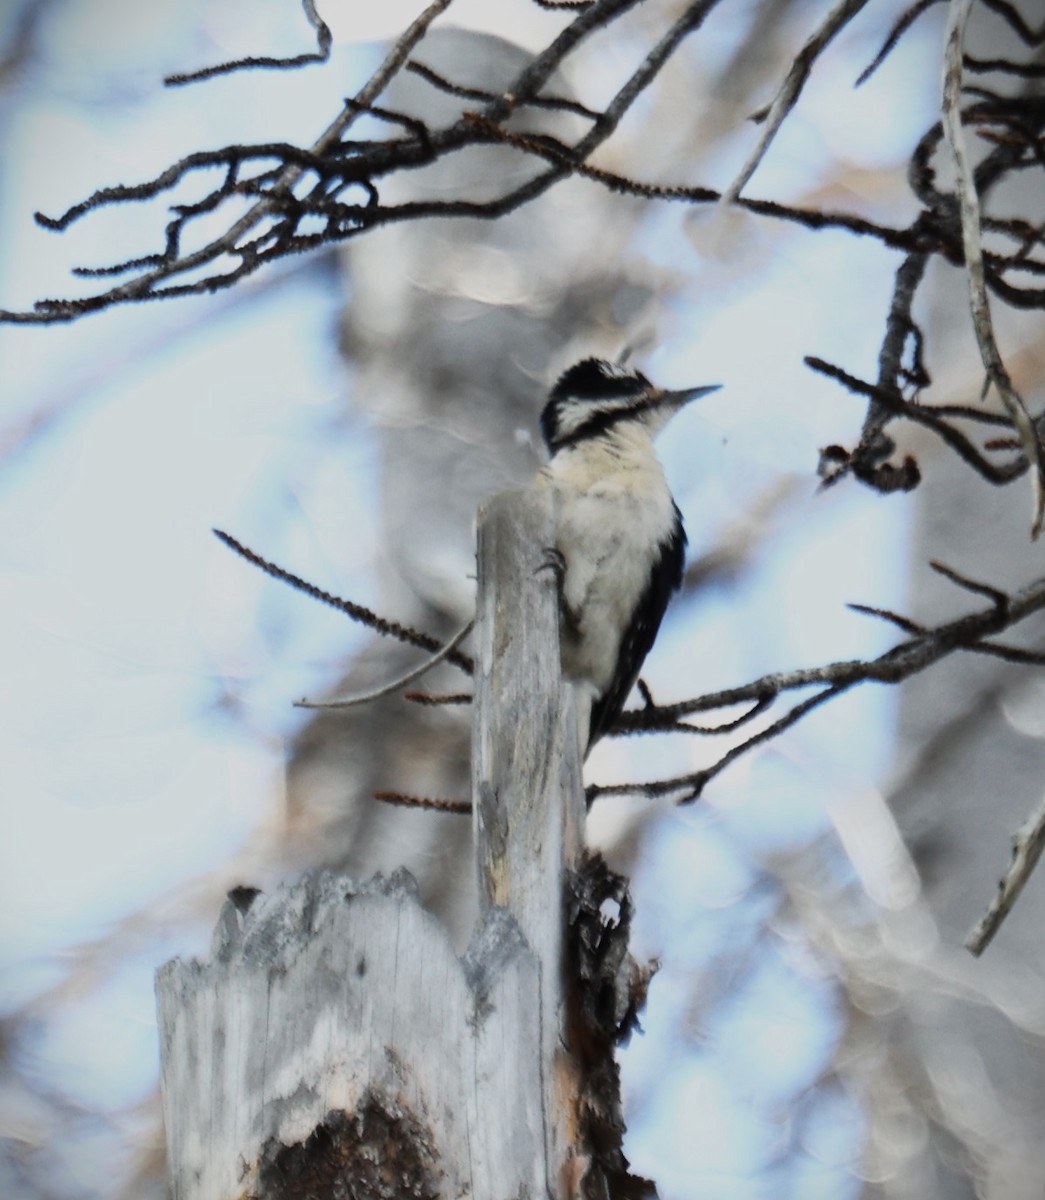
(638, 638)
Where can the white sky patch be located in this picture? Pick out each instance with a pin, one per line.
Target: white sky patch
(520, 21)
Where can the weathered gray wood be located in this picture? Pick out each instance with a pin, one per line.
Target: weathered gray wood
(335, 1044)
(526, 779)
(526, 775)
(336, 1000)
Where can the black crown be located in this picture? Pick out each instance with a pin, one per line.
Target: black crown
(594, 379)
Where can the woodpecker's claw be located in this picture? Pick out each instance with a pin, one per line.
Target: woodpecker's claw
(555, 561)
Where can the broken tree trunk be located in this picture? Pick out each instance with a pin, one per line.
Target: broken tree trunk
(335, 1045)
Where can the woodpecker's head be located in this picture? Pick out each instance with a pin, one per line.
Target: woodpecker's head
(594, 396)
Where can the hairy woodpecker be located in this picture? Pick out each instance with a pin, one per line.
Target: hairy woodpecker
(620, 545)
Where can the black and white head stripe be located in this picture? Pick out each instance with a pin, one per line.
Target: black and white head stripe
(590, 396)
(595, 378)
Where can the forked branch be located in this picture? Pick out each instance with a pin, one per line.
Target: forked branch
(926, 646)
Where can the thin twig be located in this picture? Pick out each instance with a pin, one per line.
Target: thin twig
(396, 685)
(923, 649)
(564, 158)
(551, 103)
(1013, 654)
(791, 89)
(651, 720)
(997, 597)
(969, 207)
(1027, 846)
(904, 23)
(382, 157)
(964, 412)
(692, 785)
(143, 287)
(900, 329)
(357, 612)
(324, 40)
(405, 801)
(885, 614)
(927, 416)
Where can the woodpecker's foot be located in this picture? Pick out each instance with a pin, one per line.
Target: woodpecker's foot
(555, 561)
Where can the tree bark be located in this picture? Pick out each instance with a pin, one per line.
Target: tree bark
(336, 1044)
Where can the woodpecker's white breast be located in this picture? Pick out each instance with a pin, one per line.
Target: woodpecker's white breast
(615, 512)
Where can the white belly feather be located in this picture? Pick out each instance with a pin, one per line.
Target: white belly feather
(614, 513)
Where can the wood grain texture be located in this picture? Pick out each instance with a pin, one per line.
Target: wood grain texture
(525, 764)
(335, 1044)
(334, 1000)
(526, 777)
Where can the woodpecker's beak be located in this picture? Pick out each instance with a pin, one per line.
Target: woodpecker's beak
(677, 399)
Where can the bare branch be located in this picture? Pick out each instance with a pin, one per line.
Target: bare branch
(884, 614)
(402, 800)
(900, 332)
(786, 98)
(324, 40)
(907, 19)
(344, 200)
(553, 103)
(923, 649)
(923, 415)
(279, 211)
(357, 612)
(691, 786)
(251, 255)
(564, 157)
(1027, 846)
(969, 207)
(396, 685)
(271, 230)
(652, 719)
(1013, 654)
(996, 595)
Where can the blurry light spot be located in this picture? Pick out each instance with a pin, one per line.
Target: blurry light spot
(1024, 707)
(871, 839)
